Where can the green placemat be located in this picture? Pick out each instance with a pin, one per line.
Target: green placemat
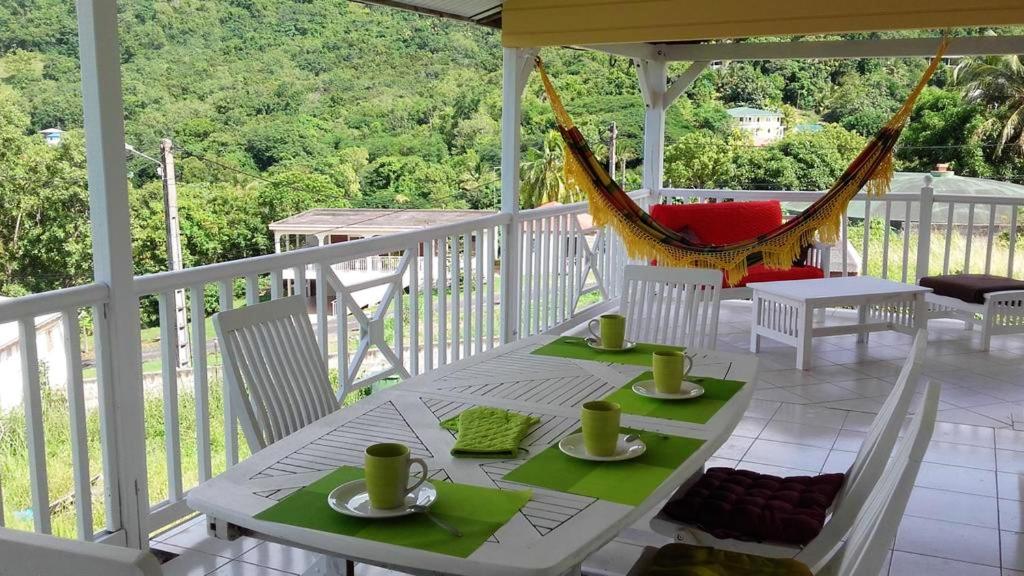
(628, 482)
(478, 512)
(699, 410)
(575, 347)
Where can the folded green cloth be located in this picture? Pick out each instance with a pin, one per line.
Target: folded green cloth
(486, 432)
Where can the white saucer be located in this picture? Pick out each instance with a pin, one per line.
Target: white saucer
(688, 391)
(573, 446)
(351, 499)
(596, 345)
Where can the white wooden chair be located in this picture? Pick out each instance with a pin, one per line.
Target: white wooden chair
(274, 369)
(874, 528)
(30, 554)
(667, 305)
(861, 478)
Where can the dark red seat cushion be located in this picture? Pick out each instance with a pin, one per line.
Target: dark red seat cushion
(970, 287)
(746, 505)
(729, 222)
(762, 273)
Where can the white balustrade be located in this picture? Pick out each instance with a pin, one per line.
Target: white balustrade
(400, 305)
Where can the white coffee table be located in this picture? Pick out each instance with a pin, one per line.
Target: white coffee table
(784, 311)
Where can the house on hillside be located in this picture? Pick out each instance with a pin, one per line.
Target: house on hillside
(764, 126)
(52, 136)
(52, 357)
(323, 226)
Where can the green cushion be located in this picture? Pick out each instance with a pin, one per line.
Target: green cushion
(486, 432)
(687, 560)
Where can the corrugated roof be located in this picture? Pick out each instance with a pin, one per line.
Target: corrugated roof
(483, 12)
(748, 111)
(339, 220)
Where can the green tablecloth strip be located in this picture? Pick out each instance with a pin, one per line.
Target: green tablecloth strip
(576, 348)
(699, 410)
(478, 512)
(628, 482)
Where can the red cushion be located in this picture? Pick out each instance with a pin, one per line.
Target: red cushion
(746, 505)
(761, 273)
(722, 222)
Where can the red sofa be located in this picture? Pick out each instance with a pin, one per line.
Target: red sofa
(729, 222)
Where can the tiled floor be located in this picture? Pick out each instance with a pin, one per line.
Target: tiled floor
(964, 517)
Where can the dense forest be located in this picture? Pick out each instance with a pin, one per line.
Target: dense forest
(279, 106)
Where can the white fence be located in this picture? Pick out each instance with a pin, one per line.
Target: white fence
(951, 234)
(438, 300)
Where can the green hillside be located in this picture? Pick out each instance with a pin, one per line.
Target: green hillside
(278, 106)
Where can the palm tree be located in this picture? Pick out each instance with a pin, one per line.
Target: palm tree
(542, 176)
(996, 82)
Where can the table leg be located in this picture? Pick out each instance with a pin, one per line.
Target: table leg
(862, 319)
(755, 340)
(920, 312)
(806, 329)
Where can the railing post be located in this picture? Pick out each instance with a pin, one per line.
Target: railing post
(122, 418)
(517, 64)
(924, 228)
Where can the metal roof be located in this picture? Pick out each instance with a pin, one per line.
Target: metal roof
(370, 220)
(748, 111)
(483, 12)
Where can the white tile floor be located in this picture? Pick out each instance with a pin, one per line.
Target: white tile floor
(964, 517)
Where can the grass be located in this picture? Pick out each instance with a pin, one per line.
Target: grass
(892, 267)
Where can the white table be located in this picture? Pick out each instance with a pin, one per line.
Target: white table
(550, 536)
(784, 311)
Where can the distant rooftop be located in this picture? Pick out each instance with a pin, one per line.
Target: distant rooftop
(370, 221)
(746, 111)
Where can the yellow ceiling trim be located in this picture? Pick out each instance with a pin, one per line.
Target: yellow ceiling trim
(532, 23)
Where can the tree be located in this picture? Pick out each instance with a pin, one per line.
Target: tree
(820, 157)
(45, 239)
(700, 159)
(997, 82)
(741, 84)
(543, 178)
(765, 168)
(943, 128)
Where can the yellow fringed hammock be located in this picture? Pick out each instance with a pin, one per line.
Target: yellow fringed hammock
(647, 240)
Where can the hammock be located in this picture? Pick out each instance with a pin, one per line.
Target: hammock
(646, 239)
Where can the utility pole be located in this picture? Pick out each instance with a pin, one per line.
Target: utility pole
(612, 141)
(174, 260)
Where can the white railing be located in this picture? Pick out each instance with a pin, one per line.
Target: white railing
(44, 433)
(899, 240)
(438, 301)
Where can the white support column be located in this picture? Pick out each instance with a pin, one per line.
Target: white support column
(517, 66)
(124, 434)
(924, 228)
(652, 75)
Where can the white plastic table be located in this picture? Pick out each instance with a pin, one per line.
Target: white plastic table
(550, 536)
(784, 311)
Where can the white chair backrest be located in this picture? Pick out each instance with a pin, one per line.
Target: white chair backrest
(875, 527)
(29, 554)
(872, 457)
(274, 369)
(666, 305)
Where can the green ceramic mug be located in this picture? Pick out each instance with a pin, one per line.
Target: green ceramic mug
(609, 329)
(387, 474)
(670, 369)
(601, 427)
